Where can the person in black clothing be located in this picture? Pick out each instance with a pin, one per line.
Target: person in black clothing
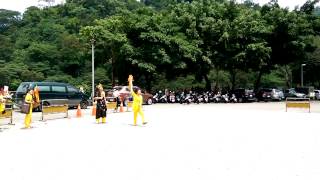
(101, 104)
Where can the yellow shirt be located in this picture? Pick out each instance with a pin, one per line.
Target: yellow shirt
(2, 104)
(137, 101)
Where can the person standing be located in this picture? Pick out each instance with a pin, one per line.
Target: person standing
(137, 102)
(101, 105)
(29, 100)
(116, 94)
(2, 102)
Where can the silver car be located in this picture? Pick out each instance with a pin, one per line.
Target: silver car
(277, 94)
(317, 94)
(291, 93)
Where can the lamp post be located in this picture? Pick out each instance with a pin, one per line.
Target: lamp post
(92, 61)
(302, 74)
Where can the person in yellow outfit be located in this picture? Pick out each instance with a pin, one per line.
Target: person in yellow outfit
(2, 102)
(137, 102)
(101, 104)
(29, 100)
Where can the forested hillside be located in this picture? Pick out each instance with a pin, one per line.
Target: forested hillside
(163, 43)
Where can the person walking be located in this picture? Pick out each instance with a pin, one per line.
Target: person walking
(101, 104)
(137, 102)
(28, 100)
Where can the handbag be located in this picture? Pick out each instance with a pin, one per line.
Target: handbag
(25, 108)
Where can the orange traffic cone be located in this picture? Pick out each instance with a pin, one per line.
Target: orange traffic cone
(94, 110)
(79, 113)
(121, 106)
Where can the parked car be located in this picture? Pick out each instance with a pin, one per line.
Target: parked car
(124, 92)
(317, 94)
(270, 94)
(308, 91)
(244, 95)
(291, 93)
(277, 94)
(53, 93)
(264, 94)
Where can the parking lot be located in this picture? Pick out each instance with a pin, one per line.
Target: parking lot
(206, 141)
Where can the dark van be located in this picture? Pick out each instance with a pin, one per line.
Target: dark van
(53, 93)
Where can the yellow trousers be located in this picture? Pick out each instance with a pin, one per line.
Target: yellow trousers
(27, 120)
(135, 115)
(104, 120)
(2, 107)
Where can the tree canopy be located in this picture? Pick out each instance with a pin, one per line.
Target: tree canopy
(213, 43)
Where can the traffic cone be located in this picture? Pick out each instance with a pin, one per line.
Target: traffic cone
(94, 110)
(79, 113)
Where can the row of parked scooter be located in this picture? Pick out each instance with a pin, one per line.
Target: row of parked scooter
(194, 97)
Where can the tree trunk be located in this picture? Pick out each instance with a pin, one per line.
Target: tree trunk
(288, 76)
(208, 82)
(233, 79)
(217, 80)
(258, 80)
(113, 68)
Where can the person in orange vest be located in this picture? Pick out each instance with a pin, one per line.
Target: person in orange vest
(29, 100)
(137, 102)
(101, 111)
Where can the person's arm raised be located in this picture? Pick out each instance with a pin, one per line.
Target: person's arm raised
(130, 79)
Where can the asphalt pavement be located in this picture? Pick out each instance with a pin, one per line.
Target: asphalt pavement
(208, 141)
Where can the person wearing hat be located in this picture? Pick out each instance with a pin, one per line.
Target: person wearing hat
(101, 104)
(29, 100)
(137, 102)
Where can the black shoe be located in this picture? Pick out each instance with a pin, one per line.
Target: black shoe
(144, 123)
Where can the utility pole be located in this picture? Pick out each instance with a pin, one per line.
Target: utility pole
(92, 61)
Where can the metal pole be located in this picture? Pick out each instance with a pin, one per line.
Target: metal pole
(92, 43)
(301, 75)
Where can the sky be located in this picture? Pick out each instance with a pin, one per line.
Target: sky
(21, 5)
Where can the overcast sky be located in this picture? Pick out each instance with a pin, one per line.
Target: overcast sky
(21, 5)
